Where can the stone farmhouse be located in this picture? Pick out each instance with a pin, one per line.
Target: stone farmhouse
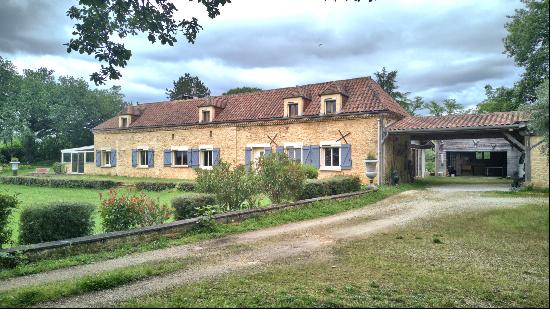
(333, 126)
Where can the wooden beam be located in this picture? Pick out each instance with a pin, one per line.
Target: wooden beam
(513, 141)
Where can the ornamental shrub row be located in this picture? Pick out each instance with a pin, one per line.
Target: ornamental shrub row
(186, 186)
(330, 186)
(120, 211)
(59, 182)
(7, 204)
(188, 206)
(56, 221)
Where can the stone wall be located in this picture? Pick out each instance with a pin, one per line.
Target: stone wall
(539, 164)
(232, 140)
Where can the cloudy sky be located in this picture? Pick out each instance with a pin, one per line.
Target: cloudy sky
(442, 49)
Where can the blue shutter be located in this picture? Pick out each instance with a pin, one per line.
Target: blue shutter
(307, 155)
(151, 158)
(98, 158)
(345, 161)
(167, 157)
(314, 154)
(194, 158)
(113, 158)
(215, 156)
(134, 157)
(247, 156)
(268, 151)
(280, 149)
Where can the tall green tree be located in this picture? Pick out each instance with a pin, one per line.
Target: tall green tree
(238, 90)
(99, 26)
(39, 114)
(388, 81)
(187, 86)
(527, 44)
(539, 114)
(501, 99)
(445, 108)
(10, 82)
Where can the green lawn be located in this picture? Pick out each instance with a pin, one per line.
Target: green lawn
(38, 195)
(495, 258)
(310, 211)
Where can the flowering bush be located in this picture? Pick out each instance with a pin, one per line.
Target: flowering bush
(123, 211)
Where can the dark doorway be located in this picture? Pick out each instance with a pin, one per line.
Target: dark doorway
(481, 163)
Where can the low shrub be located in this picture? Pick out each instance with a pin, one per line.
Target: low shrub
(311, 171)
(186, 186)
(55, 221)
(59, 168)
(231, 186)
(7, 204)
(59, 182)
(154, 186)
(281, 178)
(123, 211)
(330, 186)
(187, 206)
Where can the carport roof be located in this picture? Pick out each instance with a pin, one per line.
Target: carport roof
(458, 122)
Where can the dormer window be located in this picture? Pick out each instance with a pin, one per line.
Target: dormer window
(330, 106)
(205, 116)
(293, 109)
(124, 121)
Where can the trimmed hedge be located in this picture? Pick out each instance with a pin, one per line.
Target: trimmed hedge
(185, 206)
(186, 186)
(59, 182)
(55, 221)
(154, 186)
(330, 186)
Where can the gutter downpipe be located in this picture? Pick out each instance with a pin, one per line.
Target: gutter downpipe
(381, 140)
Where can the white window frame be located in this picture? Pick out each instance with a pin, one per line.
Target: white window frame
(105, 155)
(202, 150)
(335, 106)
(295, 146)
(173, 151)
(297, 109)
(329, 144)
(140, 153)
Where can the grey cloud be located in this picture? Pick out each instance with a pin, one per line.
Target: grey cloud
(33, 27)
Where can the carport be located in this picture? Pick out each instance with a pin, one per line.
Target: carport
(510, 126)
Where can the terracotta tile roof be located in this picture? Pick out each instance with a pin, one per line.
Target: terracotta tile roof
(458, 121)
(364, 96)
(219, 102)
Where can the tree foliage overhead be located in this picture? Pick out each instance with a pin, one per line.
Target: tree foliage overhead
(527, 43)
(101, 24)
(238, 90)
(187, 86)
(388, 82)
(41, 114)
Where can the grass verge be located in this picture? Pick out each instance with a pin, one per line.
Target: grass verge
(32, 295)
(310, 211)
(490, 258)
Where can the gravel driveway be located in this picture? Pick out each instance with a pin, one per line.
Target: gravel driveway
(259, 248)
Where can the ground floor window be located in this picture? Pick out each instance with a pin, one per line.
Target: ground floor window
(294, 153)
(106, 158)
(143, 157)
(180, 158)
(206, 159)
(89, 157)
(331, 156)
